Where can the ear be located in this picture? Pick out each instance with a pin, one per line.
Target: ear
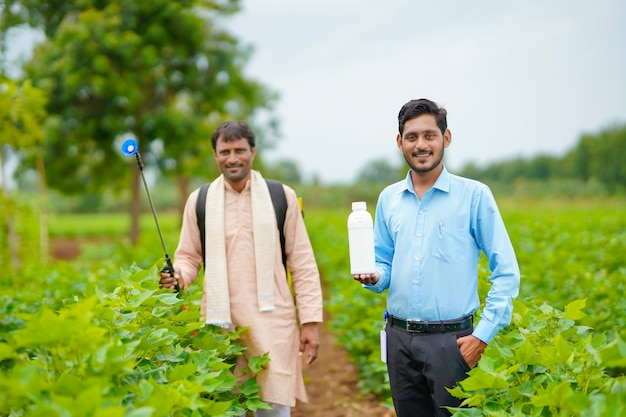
(253, 150)
(447, 138)
(399, 141)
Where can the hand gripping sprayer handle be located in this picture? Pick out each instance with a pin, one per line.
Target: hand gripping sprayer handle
(169, 268)
(129, 148)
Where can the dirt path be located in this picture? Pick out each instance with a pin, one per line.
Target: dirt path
(64, 248)
(331, 381)
(331, 385)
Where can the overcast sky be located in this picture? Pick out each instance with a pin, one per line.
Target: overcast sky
(518, 78)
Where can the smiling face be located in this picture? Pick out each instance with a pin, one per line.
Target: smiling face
(234, 158)
(422, 144)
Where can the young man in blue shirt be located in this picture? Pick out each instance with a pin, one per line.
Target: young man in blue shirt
(429, 231)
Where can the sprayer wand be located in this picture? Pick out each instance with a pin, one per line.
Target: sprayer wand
(129, 147)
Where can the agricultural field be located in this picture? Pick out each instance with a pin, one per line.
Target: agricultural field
(96, 337)
(565, 352)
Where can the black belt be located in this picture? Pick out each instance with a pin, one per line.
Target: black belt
(440, 326)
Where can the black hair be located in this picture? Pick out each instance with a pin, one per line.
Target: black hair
(416, 108)
(232, 131)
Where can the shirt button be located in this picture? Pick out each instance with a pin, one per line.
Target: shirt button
(419, 235)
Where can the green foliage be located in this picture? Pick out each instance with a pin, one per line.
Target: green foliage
(163, 72)
(135, 350)
(107, 224)
(564, 353)
(21, 114)
(336, 197)
(286, 171)
(48, 15)
(356, 314)
(19, 212)
(595, 166)
(546, 365)
(571, 250)
(382, 171)
(607, 163)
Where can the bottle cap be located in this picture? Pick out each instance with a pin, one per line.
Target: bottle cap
(359, 205)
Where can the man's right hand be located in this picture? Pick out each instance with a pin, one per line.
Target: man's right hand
(367, 278)
(168, 281)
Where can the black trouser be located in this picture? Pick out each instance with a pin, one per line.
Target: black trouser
(421, 366)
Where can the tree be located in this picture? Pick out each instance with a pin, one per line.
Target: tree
(284, 170)
(597, 157)
(380, 170)
(542, 167)
(582, 157)
(162, 72)
(21, 115)
(49, 14)
(608, 157)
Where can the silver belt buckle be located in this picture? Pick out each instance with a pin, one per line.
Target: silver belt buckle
(410, 330)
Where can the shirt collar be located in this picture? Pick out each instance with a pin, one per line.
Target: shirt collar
(442, 183)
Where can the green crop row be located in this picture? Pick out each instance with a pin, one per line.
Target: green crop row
(96, 337)
(107, 224)
(86, 340)
(565, 351)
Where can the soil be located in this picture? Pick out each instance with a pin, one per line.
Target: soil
(331, 381)
(65, 248)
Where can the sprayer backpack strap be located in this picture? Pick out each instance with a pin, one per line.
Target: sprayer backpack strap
(279, 200)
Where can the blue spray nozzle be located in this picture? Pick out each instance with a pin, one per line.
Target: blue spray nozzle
(129, 147)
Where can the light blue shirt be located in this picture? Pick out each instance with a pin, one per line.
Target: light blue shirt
(427, 253)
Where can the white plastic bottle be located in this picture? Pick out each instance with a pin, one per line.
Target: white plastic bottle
(361, 240)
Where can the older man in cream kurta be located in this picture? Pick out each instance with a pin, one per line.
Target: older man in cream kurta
(274, 331)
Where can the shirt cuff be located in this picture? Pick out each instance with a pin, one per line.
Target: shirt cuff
(377, 288)
(485, 331)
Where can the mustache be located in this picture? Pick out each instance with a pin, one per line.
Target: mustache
(421, 152)
(235, 165)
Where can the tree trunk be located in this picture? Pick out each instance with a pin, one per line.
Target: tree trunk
(44, 239)
(183, 182)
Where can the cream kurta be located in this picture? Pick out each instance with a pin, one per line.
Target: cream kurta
(274, 331)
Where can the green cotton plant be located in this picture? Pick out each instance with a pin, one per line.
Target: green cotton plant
(356, 314)
(134, 351)
(567, 251)
(546, 365)
(572, 250)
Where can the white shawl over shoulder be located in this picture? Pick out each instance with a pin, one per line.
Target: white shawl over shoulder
(215, 271)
